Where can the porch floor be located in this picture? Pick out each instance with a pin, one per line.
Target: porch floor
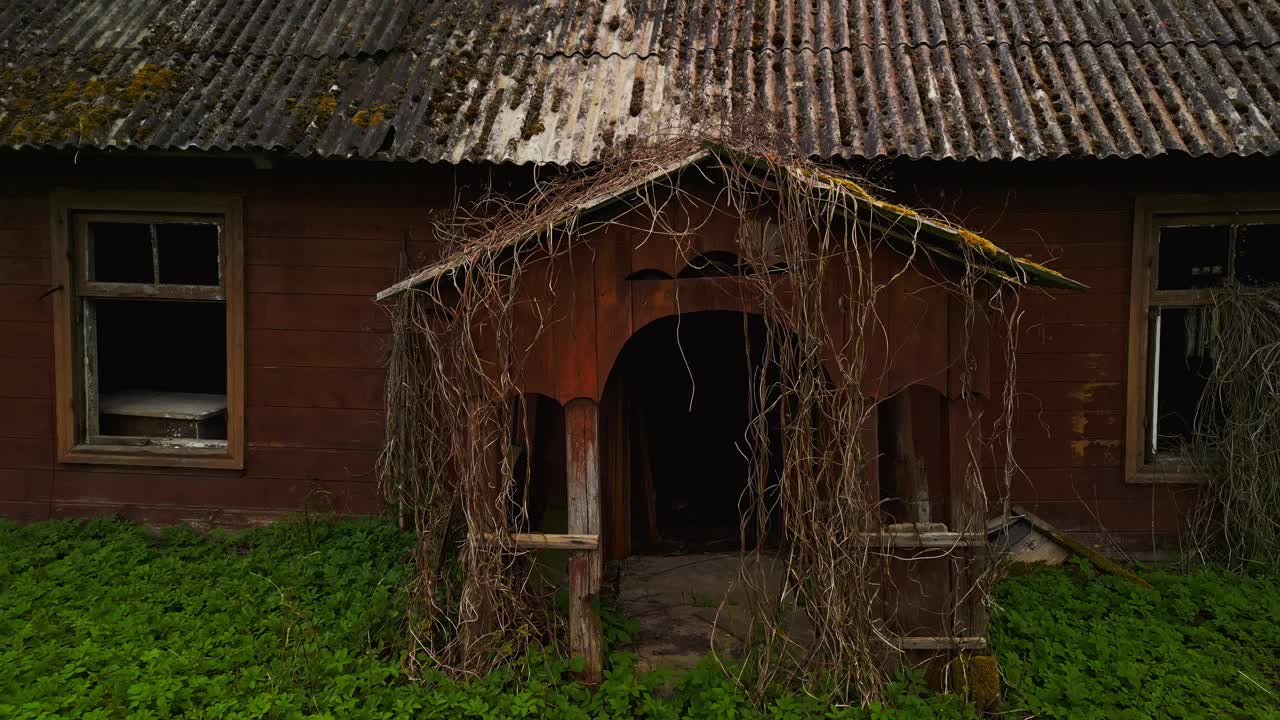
(688, 604)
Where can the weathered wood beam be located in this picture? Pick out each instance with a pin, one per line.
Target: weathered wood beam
(929, 539)
(586, 638)
(939, 643)
(546, 541)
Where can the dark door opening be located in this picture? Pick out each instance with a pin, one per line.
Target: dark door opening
(680, 405)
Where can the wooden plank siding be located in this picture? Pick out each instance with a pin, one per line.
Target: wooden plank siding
(314, 347)
(1071, 366)
(320, 240)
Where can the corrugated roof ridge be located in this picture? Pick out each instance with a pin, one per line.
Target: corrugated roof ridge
(578, 55)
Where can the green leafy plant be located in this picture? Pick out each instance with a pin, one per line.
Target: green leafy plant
(300, 619)
(1073, 643)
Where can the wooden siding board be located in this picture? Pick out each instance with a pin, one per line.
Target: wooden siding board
(329, 428)
(22, 417)
(26, 453)
(25, 378)
(312, 348)
(26, 485)
(1079, 367)
(25, 303)
(1081, 336)
(342, 313)
(25, 512)
(26, 339)
(291, 251)
(362, 282)
(25, 242)
(291, 463)
(24, 271)
(315, 387)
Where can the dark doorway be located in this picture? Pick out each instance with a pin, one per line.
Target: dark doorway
(676, 417)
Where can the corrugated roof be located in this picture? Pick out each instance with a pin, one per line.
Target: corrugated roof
(560, 81)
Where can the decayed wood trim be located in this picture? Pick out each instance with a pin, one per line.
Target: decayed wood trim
(69, 400)
(546, 541)
(1179, 298)
(148, 291)
(939, 643)
(930, 539)
(1135, 406)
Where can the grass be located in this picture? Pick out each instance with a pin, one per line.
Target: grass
(303, 619)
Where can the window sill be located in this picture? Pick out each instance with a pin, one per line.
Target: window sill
(1164, 475)
(152, 456)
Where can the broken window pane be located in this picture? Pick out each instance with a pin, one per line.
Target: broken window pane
(1181, 343)
(120, 252)
(188, 253)
(162, 368)
(1193, 256)
(1258, 254)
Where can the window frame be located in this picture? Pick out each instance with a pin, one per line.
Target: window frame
(1151, 213)
(70, 214)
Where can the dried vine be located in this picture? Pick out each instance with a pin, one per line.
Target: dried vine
(452, 421)
(1236, 442)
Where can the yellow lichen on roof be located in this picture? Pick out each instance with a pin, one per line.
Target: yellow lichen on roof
(976, 241)
(76, 109)
(941, 227)
(973, 239)
(1038, 266)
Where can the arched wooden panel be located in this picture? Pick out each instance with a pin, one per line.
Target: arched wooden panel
(534, 332)
(919, 348)
(575, 333)
(979, 345)
(612, 300)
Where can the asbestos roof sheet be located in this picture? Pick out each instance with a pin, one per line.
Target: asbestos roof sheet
(560, 81)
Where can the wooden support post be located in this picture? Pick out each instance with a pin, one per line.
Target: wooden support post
(968, 514)
(586, 639)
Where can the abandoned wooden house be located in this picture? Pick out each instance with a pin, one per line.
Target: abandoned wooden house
(203, 202)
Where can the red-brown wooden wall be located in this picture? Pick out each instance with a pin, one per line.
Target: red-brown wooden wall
(316, 251)
(322, 238)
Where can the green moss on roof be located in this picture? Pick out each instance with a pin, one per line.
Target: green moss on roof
(42, 111)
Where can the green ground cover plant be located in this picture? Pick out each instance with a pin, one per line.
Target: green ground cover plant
(304, 619)
(1073, 644)
(301, 619)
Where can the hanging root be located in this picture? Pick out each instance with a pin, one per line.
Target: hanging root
(1236, 445)
(451, 418)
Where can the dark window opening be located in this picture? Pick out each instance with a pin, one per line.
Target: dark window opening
(1181, 364)
(716, 263)
(1258, 254)
(161, 368)
(121, 252)
(188, 253)
(1194, 256)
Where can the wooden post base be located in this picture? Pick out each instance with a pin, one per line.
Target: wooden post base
(586, 637)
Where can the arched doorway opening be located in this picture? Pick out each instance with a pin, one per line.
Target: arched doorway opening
(676, 436)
